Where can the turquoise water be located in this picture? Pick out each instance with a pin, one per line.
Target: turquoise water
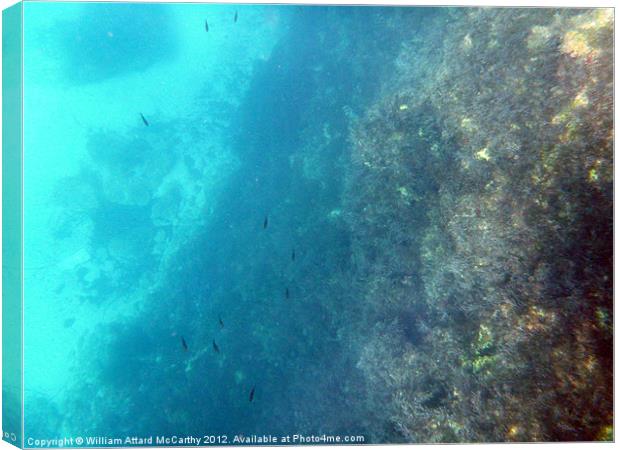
(115, 206)
(110, 201)
(246, 219)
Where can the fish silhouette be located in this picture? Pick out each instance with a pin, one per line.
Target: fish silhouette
(184, 344)
(266, 222)
(215, 347)
(252, 393)
(206, 26)
(146, 122)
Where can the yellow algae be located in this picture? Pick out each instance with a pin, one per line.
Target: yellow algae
(483, 153)
(537, 319)
(592, 175)
(581, 100)
(569, 133)
(600, 18)
(536, 311)
(403, 107)
(467, 124)
(560, 117)
(606, 433)
(604, 16)
(575, 44)
(590, 363)
(513, 431)
(483, 363)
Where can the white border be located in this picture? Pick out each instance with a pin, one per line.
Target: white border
(512, 3)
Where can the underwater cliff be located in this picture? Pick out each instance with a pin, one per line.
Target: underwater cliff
(393, 223)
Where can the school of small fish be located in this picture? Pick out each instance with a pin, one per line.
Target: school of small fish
(287, 294)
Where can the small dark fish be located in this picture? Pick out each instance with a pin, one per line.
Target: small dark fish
(184, 344)
(146, 122)
(287, 294)
(215, 347)
(206, 26)
(293, 255)
(266, 222)
(252, 393)
(236, 16)
(221, 323)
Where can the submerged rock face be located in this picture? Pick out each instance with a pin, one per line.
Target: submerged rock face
(481, 201)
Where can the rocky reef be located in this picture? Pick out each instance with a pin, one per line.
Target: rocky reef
(480, 204)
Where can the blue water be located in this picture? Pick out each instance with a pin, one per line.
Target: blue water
(139, 235)
(244, 219)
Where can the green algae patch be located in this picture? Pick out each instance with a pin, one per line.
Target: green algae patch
(606, 434)
(484, 341)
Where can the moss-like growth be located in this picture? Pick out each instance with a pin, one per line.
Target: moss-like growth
(495, 185)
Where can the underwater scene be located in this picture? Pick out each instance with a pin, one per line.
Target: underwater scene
(333, 224)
